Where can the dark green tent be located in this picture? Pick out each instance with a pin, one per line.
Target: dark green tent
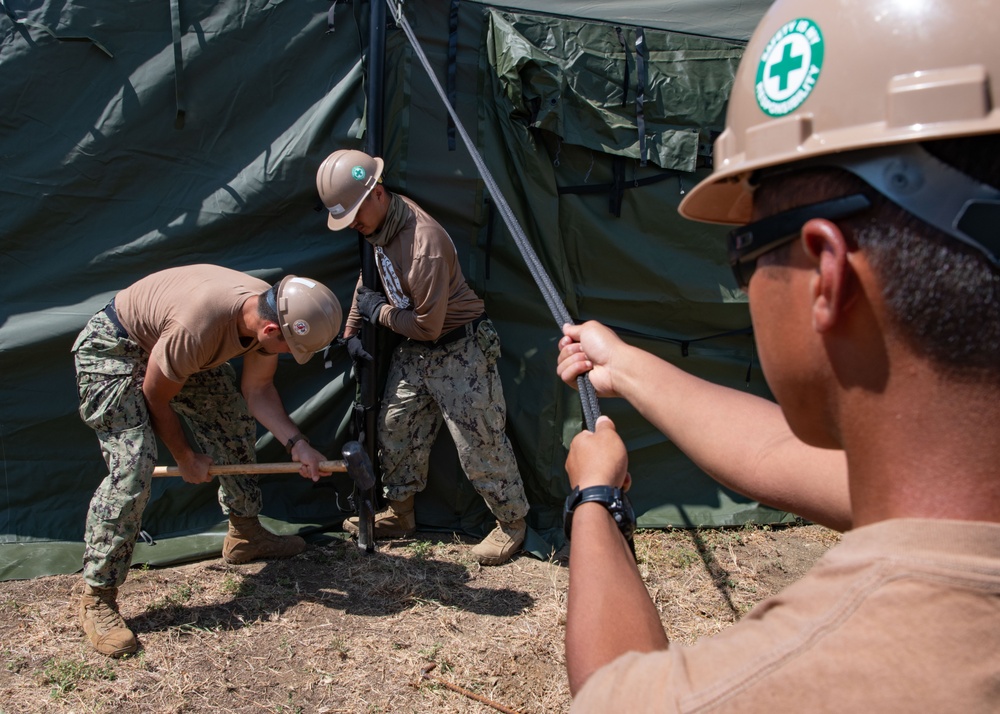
(144, 135)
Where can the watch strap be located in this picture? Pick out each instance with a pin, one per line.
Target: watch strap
(296, 438)
(611, 497)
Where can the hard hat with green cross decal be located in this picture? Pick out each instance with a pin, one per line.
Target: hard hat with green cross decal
(829, 81)
(344, 180)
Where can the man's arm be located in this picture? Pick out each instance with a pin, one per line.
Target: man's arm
(266, 407)
(609, 612)
(159, 390)
(352, 325)
(741, 440)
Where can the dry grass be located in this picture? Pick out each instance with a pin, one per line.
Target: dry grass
(336, 630)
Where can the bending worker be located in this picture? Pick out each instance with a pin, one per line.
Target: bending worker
(447, 368)
(158, 355)
(861, 160)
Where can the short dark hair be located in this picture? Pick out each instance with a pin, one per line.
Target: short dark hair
(267, 306)
(943, 297)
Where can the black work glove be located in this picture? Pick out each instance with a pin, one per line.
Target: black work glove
(369, 303)
(355, 349)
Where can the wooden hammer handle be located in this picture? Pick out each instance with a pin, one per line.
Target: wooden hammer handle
(283, 467)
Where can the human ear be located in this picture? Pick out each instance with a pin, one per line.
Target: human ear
(832, 285)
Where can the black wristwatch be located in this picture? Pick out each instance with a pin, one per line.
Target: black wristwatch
(296, 438)
(612, 498)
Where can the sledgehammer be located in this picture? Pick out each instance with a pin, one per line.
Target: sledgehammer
(356, 464)
(283, 467)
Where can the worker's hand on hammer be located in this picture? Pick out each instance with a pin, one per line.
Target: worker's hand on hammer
(194, 468)
(598, 458)
(589, 348)
(309, 458)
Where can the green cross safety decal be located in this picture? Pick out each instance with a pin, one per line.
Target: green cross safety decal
(358, 173)
(789, 67)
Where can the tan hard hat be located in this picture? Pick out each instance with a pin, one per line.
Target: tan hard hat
(309, 315)
(344, 180)
(821, 77)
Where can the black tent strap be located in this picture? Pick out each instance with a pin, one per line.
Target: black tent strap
(452, 68)
(331, 17)
(175, 22)
(642, 82)
(588, 396)
(625, 83)
(616, 189)
(603, 187)
(685, 343)
(617, 194)
(490, 215)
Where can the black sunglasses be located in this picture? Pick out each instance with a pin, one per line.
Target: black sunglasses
(749, 242)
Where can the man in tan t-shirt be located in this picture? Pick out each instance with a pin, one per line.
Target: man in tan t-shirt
(861, 160)
(158, 355)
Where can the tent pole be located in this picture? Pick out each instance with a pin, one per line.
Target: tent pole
(369, 372)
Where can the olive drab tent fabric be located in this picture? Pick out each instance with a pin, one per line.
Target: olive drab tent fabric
(144, 135)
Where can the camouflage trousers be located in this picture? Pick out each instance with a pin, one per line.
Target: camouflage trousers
(109, 372)
(458, 385)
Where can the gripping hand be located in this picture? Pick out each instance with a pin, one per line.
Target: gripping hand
(370, 302)
(356, 349)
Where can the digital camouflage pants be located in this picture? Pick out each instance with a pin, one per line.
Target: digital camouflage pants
(458, 385)
(109, 372)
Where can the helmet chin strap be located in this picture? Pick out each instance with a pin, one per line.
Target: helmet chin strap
(942, 196)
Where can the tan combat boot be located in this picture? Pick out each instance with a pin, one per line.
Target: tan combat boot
(396, 521)
(248, 540)
(103, 625)
(502, 543)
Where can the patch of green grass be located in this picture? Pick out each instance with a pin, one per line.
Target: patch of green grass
(12, 605)
(231, 584)
(66, 675)
(176, 598)
(185, 591)
(431, 652)
(339, 646)
(13, 662)
(684, 558)
(421, 549)
(724, 537)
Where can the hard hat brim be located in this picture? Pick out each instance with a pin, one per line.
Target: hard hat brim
(339, 224)
(302, 356)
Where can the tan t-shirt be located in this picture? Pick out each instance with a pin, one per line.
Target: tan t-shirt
(902, 616)
(423, 281)
(187, 317)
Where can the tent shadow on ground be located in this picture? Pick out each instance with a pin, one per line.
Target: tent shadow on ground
(338, 576)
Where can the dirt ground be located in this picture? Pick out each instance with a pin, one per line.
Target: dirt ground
(418, 626)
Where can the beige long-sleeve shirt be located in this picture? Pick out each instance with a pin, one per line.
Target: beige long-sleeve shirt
(422, 281)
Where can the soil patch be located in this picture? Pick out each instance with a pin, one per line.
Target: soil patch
(418, 626)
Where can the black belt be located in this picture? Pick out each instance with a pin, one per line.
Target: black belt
(112, 314)
(461, 332)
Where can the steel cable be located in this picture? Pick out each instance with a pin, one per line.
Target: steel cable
(588, 396)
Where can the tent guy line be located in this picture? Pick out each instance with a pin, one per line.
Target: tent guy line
(588, 396)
